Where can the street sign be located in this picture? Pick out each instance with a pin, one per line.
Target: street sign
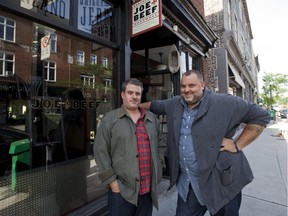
(45, 47)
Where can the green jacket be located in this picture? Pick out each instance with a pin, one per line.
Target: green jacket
(115, 151)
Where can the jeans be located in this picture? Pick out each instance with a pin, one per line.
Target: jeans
(118, 206)
(192, 207)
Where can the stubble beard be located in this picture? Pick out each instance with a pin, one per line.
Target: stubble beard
(192, 102)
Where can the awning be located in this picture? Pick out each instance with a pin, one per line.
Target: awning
(237, 77)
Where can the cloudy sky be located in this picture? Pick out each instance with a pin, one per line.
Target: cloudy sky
(269, 22)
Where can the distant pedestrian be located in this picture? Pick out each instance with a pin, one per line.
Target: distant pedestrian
(204, 156)
(129, 149)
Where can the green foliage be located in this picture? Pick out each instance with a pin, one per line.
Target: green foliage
(95, 69)
(98, 70)
(274, 87)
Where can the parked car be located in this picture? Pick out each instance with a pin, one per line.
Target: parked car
(7, 136)
(283, 113)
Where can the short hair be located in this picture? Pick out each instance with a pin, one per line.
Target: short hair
(199, 75)
(132, 81)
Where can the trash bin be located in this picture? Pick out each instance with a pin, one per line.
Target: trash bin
(273, 114)
(20, 152)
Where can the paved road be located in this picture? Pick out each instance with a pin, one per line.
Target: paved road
(267, 194)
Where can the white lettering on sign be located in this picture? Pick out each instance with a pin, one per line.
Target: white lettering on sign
(89, 11)
(146, 15)
(58, 8)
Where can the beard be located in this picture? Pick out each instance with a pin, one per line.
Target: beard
(193, 101)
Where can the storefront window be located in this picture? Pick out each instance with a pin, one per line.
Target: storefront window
(51, 104)
(46, 82)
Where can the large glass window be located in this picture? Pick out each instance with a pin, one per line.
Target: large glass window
(7, 29)
(53, 106)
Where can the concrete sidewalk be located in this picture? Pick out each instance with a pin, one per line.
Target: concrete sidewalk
(267, 194)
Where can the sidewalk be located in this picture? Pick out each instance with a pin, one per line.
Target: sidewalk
(281, 126)
(267, 194)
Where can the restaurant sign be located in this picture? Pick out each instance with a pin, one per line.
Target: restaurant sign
(146, 15)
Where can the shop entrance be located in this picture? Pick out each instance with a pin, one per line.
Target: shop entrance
(149, 63)
(153, 72)
(151, 67)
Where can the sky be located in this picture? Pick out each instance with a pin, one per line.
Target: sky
(269, 24)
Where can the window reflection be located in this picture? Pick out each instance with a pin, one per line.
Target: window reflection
(53, 102)
(7, 29)
(6, 63)
(34, 92)
(96, 18)
(80, 57)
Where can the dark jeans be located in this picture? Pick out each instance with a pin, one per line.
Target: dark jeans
(118, 206)
(193, 208)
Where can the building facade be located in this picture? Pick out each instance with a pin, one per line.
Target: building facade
(62, 66)
(233, 62)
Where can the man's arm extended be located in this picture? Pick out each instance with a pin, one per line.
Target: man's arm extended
(145, 105)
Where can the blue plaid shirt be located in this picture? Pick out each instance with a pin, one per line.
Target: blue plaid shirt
(188, 162)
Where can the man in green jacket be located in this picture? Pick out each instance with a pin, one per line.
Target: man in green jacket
(128, 150)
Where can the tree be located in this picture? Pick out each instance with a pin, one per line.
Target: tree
(274, 86)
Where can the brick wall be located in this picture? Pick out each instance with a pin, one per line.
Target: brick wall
(22, 48)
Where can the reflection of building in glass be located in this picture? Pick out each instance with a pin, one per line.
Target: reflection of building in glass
(103, 25)
(107, 84)
(91, 12)
(88, 79)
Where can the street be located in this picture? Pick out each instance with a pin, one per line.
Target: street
(267, 194)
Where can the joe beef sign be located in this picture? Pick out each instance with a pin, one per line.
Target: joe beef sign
(146, 15)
